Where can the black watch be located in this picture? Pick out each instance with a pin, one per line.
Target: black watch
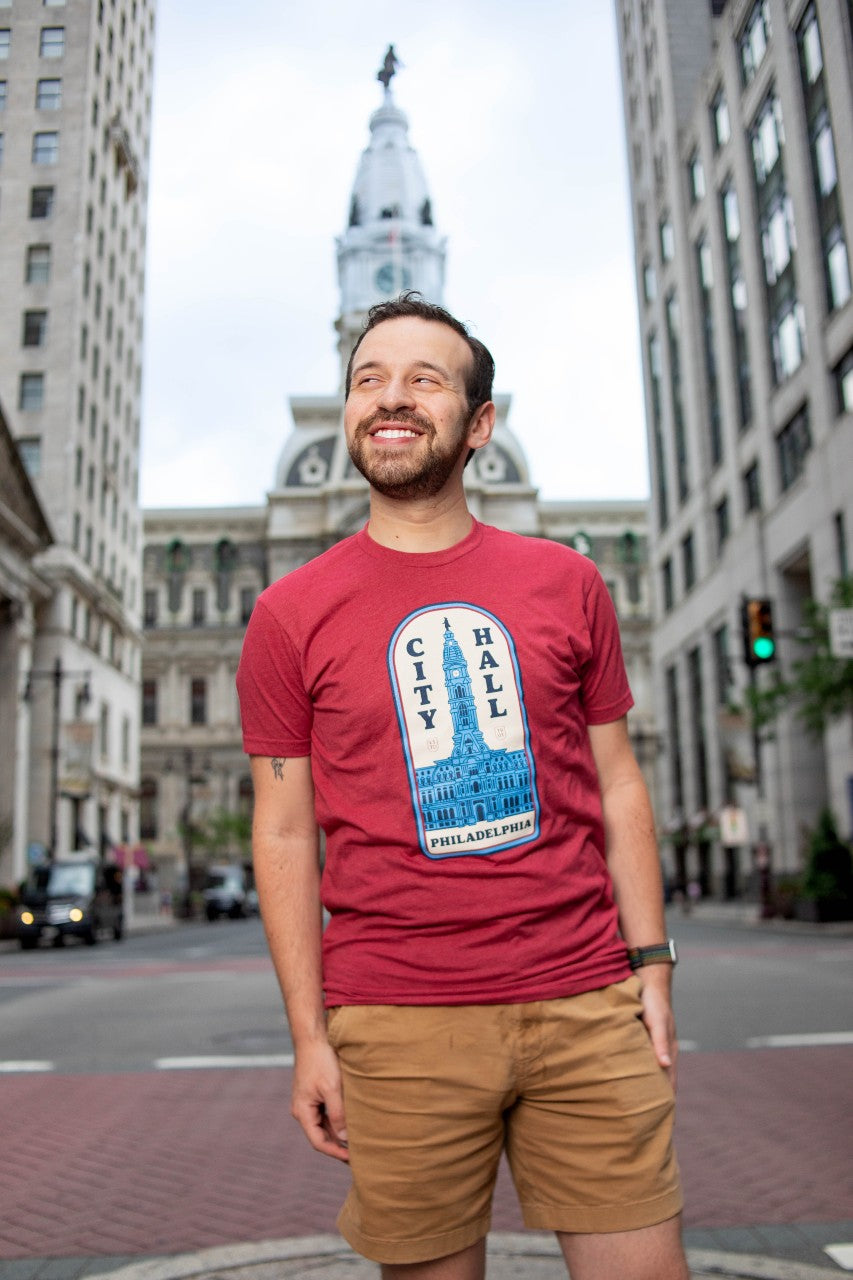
(660, 953)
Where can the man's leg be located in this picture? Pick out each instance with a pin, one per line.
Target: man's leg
(649, 1253)
(470, 1264)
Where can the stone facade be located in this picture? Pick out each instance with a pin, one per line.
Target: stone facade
(739, 122)
(76, 94)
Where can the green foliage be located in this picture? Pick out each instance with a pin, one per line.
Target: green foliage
(820, 686)
(224, 832)
(829, 872)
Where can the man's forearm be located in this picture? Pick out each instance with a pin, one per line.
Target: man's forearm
(287, 875)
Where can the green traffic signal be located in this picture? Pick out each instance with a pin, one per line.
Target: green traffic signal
(759, 643)
(764, 648)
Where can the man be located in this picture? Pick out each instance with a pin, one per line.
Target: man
(447, 702)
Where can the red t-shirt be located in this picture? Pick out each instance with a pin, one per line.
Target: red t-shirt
(444, 700)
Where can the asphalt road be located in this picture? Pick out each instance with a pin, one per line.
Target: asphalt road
(206, 991)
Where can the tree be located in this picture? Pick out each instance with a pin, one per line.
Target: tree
(223, 832)
(819, 685)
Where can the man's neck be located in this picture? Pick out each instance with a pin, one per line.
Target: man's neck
(417, 527)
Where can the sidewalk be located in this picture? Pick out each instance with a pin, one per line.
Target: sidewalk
(527, 1256)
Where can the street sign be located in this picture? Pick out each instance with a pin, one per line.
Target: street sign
(734, 829)
(841, 633)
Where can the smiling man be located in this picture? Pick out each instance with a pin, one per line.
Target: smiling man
(447, 703)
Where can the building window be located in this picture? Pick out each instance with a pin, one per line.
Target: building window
(31, 391)
(650, 287)
(104, 731)
(659, 456)
(149, 607)
(674, 737)
(52, 42)
(35, 328)
(198, 701)
(705, 269)
(752, 488)
(41, 202)
(29, 451)
(754, 40)
(3, 95)
(668, 585)
(767, 137)
(199, 606)
(697, 719)
(149, 701)
(738, 299)
(667, 240)
(792, 448)
(721, 129)
(722, 667)
(787, 341)
(721, 524)
(45, 148)
(148, 809)
(247, 603)
(843, 375)
(673, 329)
(5, 41)
(48, 95)
(688, 562)
(697, 178)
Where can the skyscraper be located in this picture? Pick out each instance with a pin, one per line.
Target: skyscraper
(75, 109)
(739, 123)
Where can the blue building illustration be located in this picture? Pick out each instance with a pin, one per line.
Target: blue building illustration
(475, 783)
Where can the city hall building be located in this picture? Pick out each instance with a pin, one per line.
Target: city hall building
(204, 568)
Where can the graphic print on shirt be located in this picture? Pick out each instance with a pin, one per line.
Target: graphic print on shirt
(460, 706)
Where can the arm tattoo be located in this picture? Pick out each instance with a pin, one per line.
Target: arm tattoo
(278, 767)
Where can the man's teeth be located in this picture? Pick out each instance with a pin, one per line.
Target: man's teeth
(396, 433)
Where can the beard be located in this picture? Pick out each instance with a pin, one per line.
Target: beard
(423, 476)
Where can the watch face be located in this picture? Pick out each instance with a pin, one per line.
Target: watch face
(390, 278)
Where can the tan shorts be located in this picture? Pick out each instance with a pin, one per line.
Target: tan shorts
(569, 1088)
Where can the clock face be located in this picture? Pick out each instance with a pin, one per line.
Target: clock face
(390, 278)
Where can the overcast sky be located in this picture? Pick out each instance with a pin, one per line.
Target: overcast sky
(260, 115)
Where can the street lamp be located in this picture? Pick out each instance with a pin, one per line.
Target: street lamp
(185, 816)
(57, 674)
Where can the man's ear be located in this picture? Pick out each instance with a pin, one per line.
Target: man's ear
(481, 425)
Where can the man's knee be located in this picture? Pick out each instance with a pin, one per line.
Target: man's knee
(648, 1253)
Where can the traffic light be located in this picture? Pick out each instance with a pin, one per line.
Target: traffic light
(759, 643)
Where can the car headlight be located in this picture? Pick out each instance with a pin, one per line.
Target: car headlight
(27, 917)
(75, 914)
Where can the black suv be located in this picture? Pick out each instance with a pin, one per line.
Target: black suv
(78, 897)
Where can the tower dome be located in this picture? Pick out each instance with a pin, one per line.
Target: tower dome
(390, 242)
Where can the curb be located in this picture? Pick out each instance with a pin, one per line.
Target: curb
(326, 1253)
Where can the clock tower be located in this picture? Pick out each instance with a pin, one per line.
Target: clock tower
(390, 243)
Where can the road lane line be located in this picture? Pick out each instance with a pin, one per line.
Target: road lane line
(804, 1041)
(225, 1060)
(13, 1068)
(842, 1254)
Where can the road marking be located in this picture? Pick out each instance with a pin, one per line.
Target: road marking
(688, 1046)
(842, 1254)
(805, 1041)
(13, 1068)
(233, 1060)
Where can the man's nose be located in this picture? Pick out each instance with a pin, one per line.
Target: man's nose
(397, 394)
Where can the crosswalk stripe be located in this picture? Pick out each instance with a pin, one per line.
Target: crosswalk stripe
(225, 1060)
(804, 1041)
(13, 1068)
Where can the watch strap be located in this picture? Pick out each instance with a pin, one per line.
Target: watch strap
(659, 953)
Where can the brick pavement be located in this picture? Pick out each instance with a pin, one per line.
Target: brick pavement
(159, 1162)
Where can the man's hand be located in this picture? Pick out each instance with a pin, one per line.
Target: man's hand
(317, 1099)
(658, 1017)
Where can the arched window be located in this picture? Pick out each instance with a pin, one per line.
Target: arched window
(148, 809)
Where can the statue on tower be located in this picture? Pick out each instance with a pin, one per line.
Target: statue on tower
(389, 68)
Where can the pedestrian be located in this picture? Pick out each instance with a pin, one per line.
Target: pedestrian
(447, 703)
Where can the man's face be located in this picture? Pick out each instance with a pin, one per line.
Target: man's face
(406, 417)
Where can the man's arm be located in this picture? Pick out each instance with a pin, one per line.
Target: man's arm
(285, 843)
(634, 866)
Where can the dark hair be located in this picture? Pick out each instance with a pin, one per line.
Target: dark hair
(478, 380)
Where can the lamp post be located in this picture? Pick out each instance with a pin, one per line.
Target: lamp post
(57, 674)
(185, 815)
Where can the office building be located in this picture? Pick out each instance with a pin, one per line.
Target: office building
(75, 109)
(739, 126)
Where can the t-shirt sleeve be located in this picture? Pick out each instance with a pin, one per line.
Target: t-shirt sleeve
(275, 710)
(605, 690)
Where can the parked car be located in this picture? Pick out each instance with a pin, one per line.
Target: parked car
(73, 897)
(225, 892)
